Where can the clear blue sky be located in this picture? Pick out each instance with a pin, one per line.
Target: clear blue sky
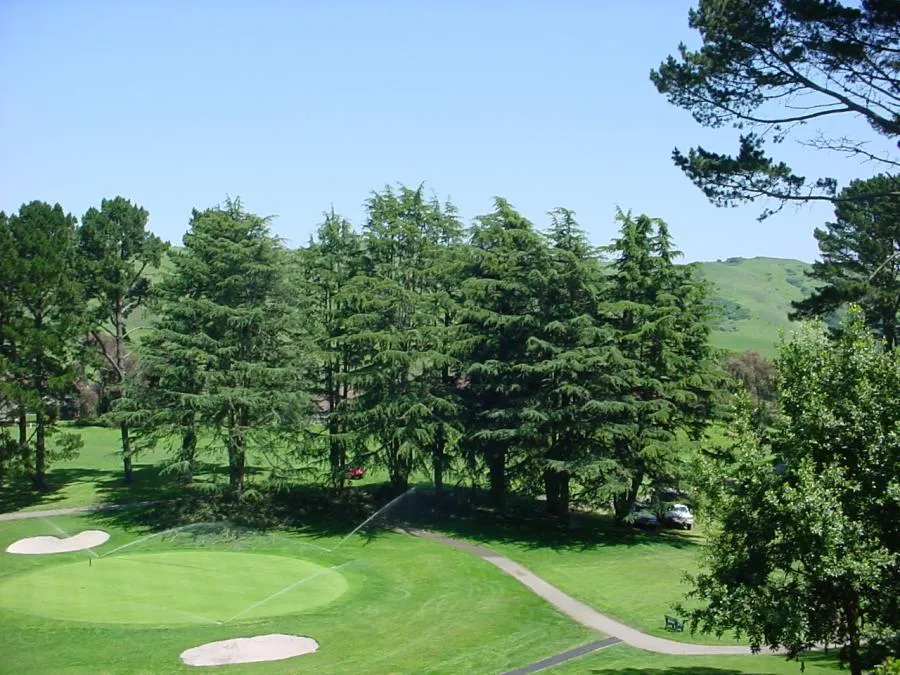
(295, 106)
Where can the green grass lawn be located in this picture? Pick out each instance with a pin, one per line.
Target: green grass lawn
(409, 605)
(625, 660)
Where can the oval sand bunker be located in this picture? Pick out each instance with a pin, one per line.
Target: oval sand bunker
(273, 647)
(49, 544)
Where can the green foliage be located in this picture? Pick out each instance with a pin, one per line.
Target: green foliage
(398, 330)
(228, 352)
(42, 317)
(660, 320)
(807, 543)
(860, 258)
(503, 291)
(326, 268)
(756, 57)
(115, 250)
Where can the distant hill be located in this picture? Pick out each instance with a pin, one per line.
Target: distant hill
(754, 296)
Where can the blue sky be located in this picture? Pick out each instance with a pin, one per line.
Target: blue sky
(297, 106)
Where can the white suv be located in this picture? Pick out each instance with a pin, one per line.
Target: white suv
(680, 515)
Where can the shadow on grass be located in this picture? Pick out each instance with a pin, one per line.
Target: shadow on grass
(19, 494)
(674, 670)
(320, 512)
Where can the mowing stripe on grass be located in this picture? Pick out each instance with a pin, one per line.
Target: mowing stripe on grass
(564, 656)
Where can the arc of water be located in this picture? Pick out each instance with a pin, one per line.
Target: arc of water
(151, 536)
(371, 518)
(67, 535)
(289, 587)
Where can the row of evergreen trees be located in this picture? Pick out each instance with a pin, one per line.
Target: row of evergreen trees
(515, 358)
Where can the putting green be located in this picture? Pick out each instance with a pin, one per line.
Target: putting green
(175, 587)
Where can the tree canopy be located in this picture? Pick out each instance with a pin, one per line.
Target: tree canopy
(860, 262)
(769, 67)
(806, 545)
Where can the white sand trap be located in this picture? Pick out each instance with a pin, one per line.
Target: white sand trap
(273, 647)
(49, 544)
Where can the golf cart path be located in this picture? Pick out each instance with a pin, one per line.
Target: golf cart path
(577, 610)
(70, 511)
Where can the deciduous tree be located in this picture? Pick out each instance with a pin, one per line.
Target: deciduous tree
(806, 543)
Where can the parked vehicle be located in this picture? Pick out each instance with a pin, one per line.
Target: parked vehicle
(643, 517)
(679, 515)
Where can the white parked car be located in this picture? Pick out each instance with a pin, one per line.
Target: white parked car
(680, 515)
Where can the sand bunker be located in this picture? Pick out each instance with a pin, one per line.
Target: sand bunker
(49, 544)
(272, 647)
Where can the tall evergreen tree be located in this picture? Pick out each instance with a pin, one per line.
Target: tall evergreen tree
(502, 293)
(662, 331)
(328, 265)
(225, 348)
(115, 250)
(393, 327)
(45, 317)
(577, 365)
(861, 257)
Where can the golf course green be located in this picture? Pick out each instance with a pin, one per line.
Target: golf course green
(173, 587)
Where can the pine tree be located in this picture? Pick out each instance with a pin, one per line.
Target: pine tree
(577, 365)
(45, 318)
(393, 327)
(115, 250)
(502, 295)
(662, 332)
(860, 257)
(224, 352)
(327, 266)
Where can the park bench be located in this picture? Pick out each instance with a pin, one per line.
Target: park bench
(674, 624)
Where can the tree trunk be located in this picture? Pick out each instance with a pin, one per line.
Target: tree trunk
(23, 439)
(438, 459)
(39, 477)
(556, 487)
(889, 327)
(126, 454)
(337, 456)
(498, 478)
(236, 463)
(236, 468)
(851, 612)
(624, 504)
(398, 472)
(188, 448)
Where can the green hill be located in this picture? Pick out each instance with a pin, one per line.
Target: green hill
(754, 296)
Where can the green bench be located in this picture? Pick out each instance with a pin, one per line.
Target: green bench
(674, 624)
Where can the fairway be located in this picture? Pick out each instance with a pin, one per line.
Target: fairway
(175, 587)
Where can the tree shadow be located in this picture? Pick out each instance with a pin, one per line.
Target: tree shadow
(322, 513)
(19, 494)
(673, 670)
(525, 523)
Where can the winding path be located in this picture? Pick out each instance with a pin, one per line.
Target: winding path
(577, 610)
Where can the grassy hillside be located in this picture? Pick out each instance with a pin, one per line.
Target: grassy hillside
(754, 296)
